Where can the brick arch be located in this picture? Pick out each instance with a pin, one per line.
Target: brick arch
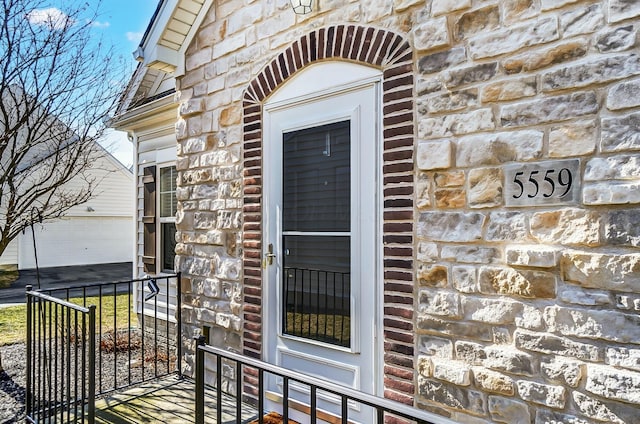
(392, 54)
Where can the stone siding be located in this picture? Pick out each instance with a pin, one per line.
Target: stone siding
(493, 312)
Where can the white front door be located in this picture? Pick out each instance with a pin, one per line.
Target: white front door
(321, 240)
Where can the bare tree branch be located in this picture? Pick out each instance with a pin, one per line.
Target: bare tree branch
(58, 83)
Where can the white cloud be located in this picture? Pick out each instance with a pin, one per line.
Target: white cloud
(134, 36)
(98, 24)
(52, 17)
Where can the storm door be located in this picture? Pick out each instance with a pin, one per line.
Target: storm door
(321, 241)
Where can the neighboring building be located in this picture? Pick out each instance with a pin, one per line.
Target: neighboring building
(97, 231)
(448, 189)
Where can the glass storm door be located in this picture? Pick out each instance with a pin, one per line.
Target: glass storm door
(321, 242)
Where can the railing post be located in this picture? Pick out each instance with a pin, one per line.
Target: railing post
(29, 396)
(200, 372)
(92, 365)
(179, 322)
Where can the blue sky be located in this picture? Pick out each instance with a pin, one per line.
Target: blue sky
(122, 24)
(119, 24)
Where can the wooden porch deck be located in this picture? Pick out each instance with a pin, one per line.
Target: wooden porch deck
(167, 400)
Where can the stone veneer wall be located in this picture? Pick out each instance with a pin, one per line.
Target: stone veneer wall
(518, 314)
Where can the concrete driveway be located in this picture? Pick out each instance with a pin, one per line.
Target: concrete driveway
(64, 276)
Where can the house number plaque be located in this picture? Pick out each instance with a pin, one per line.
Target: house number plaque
(540, 184)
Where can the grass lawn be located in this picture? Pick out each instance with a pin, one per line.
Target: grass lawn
(13, 319)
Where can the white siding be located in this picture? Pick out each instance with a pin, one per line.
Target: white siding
(78, 241)
(113, 195)
(10, 254)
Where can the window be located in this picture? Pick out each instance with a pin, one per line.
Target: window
(168, 206)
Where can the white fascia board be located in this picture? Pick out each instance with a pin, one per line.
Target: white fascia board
(204, 9)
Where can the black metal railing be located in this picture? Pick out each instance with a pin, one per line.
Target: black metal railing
(317, 305)
(230, 402)
(129, 337)
(60, 359)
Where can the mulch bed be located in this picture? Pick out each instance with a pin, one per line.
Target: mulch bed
(273, 418)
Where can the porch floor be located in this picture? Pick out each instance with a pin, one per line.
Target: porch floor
(167, 400)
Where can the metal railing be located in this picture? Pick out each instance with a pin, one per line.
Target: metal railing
(89, 340)
(316, 387)
(60, 359)
(317, 305)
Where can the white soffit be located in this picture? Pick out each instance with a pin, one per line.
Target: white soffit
(167, 52)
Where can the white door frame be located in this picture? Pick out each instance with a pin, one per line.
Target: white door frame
(322, 84)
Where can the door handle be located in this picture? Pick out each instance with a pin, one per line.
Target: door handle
(268, 256)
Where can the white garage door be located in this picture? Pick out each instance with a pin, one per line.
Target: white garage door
(78, 241)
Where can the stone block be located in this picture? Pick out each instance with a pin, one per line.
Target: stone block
(456, 124)
(451, 396)
(477, 22)
(619, 10)
(435, 347)
(492, 381)
(533, 60)
(450, 226)
(511, 89)
(584, 20)
(509, 411)
(191, 107)
(595, 409)
(425, 366)
(439, 302)
(531, 319)
(623, 357)
(449, 179)
(611, 193)
(456, 372)
(567, 226)
(617, 40)
(613, 383)
(469, 352)
(439, 327)
(514, 38)
(431, 34)
(434, 155)
(555, 4)
(453, 101)
(623, 228)
(441, 7)
(550, 109)
(402, 5)
(433, 276)
(450, 198)
(509, 359)
(620, 133)
(619, 272)
(465, 279)
(573, 139)
(562, 370)
(562, 346)
(498, 148)
(624, 95)
(597, 71)
(554, 417)
(542, 394)
(470, 74)
(437, 62)
(490, 311)
(535, 255)
(427, 252)
(593, 324)
(572, 294)
(470, 254)
(507, 226)
(521, 283)
(423, 191)
(485, 187)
